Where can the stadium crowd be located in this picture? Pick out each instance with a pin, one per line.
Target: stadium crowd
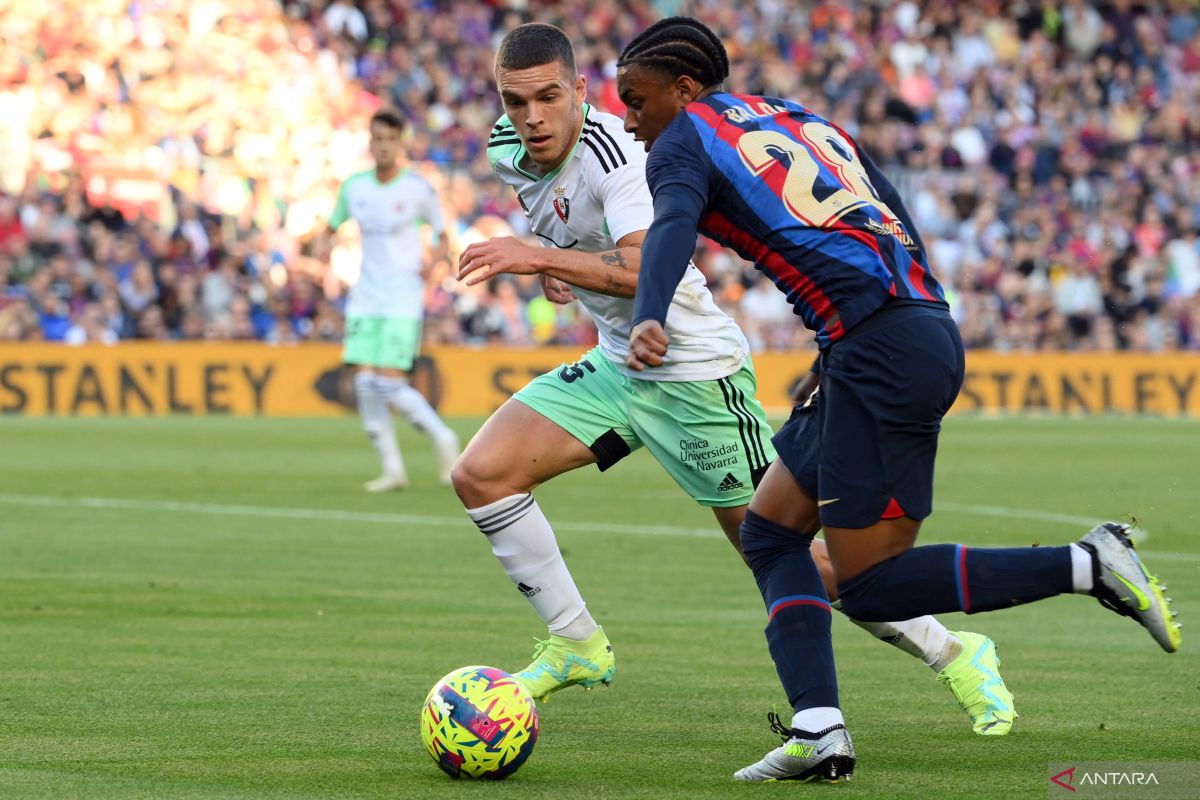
(167, 164)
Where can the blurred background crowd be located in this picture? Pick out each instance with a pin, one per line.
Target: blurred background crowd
(167, 163)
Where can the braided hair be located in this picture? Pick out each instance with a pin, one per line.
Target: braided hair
(679, 46)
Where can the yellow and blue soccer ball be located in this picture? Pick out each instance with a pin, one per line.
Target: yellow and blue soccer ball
(478, 722)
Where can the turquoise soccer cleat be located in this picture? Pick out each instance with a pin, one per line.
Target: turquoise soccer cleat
(974, 680)
(559, 662)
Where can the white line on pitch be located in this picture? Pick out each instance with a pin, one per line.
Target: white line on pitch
(275, 512)
(1138, 535)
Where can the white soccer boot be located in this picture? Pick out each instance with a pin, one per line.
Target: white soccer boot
(1124, 585)
(387, 482)
(827, 755)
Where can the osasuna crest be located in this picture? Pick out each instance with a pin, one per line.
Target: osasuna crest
(562, 204)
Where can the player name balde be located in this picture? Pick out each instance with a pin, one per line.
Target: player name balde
(739, 114)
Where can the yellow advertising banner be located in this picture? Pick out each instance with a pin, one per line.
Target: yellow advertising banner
(198, 378)
(1082, 383)
(140, 379)
(1041, 383)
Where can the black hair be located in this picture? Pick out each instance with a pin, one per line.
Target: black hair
(385, 116)
(534, 44)
(679, 46)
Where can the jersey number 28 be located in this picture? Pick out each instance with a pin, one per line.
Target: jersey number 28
(762, 150)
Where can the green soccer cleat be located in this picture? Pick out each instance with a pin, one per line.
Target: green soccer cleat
(974, 680)
(1124, 585)
(559, 662)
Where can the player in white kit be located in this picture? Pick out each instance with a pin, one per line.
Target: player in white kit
(385, 307)
(580, 178)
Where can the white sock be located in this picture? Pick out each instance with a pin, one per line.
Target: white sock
(1081, 570)
(815, 720)
(523, 541)
(924, 638)
(377, 422)
(416, 409)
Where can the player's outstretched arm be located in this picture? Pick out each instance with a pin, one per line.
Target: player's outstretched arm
(668, 250)
(613, 272)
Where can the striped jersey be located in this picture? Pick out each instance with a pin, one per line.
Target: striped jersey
(794, 194)
(597, 196)
(389, 217)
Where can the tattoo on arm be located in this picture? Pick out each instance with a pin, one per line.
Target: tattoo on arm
(614, 258)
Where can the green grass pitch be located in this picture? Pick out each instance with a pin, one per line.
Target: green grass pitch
(213, 608)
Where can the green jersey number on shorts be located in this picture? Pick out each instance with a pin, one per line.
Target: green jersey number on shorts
(573, 372)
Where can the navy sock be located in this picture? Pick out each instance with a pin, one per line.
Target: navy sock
(798, 613)
(951, 577)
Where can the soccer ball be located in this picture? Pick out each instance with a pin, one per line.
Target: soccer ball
(478, 722)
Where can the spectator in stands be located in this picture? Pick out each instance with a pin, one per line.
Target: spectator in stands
(90, 327)
(1049, 152)
(342, 18)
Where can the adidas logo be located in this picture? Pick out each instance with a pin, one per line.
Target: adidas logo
(527, 590)
(729, 483)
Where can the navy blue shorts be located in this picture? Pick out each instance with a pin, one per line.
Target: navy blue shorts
(864, 445)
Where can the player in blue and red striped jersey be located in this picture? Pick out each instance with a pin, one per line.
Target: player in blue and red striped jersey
(793, 193)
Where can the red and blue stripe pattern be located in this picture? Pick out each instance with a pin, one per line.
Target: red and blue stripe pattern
(797, 600)
(960, 579)
(835, 270)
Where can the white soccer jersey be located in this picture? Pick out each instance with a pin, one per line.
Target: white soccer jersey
(389, 216)
(594, 198)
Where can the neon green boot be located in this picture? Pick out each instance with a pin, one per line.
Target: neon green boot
(559, 662)
(974, 679)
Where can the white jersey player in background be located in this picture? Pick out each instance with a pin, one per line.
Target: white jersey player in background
(386, 304)
(581, 180)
